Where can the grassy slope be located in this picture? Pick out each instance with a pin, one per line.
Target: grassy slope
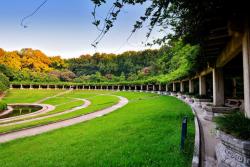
(28, 96)
(146, 132)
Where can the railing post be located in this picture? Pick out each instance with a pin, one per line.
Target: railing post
(183, 132)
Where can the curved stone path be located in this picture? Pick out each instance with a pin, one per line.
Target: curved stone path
(85, 105)
(45, 108)
(45, 128)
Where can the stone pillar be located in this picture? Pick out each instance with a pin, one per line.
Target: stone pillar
(95, 87)
(31, 87)
(82, 87)
(89, 87)
(55, 86)
(234, 87)
(39, 87)
(160, 87)
(218, 87)
(246, 70)
(182, 86)
(11, 86)
(112, 87)
(47, 86)
(141, 87)
(166, 87)
(147, 88)
(191, 86)
(21, 86)
(174, 87)
(62, 87)
(76, 87)
(202, 85)
(129, 87)
(153, 87)
(135, 87)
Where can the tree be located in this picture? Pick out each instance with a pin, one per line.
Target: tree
(4, 82)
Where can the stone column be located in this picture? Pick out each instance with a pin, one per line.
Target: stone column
(174, 87)
(47, 86)
(31, 87)
(129, 87)
(82, 87)
(202, 85)
(21, 86)
(76, 87)
(55, 86)
(62, 87)
(147, 88)
(234, 87)
(39, 86)
(141, 87)
(246, 70)
(112, 87)
(153, 87)
(191, 86)
(218, 87)
(135, 87)
(166, 87)
(182, 86)
(159, 87)
(89, 87)
(11, 86)
(95, 87)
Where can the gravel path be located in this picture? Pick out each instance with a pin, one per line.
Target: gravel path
(45, 128)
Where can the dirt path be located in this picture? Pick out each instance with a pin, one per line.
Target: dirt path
(45, 128)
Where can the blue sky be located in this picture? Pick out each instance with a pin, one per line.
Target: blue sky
(64, 27)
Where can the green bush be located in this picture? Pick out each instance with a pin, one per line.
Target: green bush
(4, 82)
(3, 106)
(235, 124)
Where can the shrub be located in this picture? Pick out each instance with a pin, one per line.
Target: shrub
(3, 106)
(4, 82)
(235, 124)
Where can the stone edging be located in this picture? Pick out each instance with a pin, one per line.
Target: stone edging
(196, 161)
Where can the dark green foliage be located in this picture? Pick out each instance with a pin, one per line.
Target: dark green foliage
(3, 106)
(235, 124)
(4, 82)
(7, 71)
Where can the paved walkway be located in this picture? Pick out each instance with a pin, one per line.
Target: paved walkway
(208, 138)
(85, 105)
(45, 128)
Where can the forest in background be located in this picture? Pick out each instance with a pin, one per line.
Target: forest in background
(170, 62)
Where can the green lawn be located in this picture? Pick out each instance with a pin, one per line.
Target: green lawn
(98, 102)
(146, 132)
(28, 96)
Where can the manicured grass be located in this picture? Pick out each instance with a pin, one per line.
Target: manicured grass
(28, 96)
(97, 103)
(146, 132)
